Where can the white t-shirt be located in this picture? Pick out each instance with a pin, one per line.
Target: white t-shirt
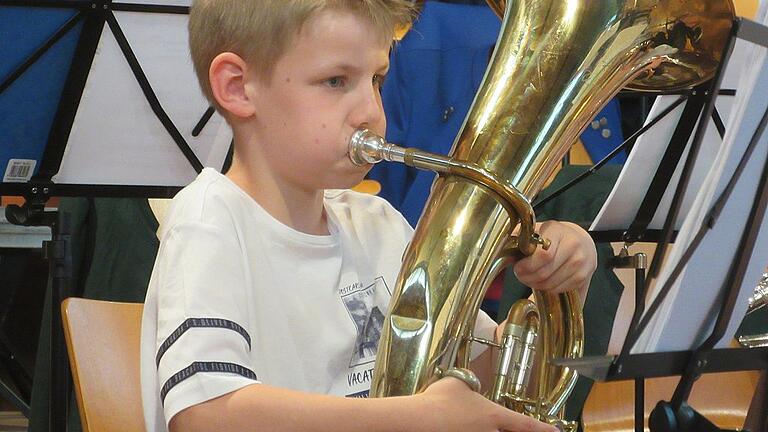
(236, 298)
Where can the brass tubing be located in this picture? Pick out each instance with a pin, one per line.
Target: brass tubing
(516, 352)
(757, 301)
(367, 147)
(754, 341)
(566, 340)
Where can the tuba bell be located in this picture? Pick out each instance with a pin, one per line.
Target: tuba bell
(555, 65)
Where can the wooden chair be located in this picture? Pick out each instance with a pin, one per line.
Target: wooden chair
(103, 345)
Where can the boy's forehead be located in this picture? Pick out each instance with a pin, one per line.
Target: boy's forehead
(341, 22)
(342, 39)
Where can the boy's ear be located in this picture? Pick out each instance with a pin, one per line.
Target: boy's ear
(227, 76)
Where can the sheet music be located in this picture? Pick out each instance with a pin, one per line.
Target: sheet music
(116, 138)
(687, 315)
(624, 201)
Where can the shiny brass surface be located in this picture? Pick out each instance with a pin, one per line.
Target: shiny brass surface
(759, 298)
(517, 349)
(556, 64)
(758, 301)
(366, 147)
(465, 375)
(754, 341)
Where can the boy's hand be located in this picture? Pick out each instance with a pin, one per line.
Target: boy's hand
(567, 265)
(449, 405)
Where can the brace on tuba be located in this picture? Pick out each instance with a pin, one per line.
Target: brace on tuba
(556, 64)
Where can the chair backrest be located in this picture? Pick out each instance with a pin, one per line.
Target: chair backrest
(103, 345)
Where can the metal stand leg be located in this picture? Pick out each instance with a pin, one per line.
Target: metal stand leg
(638, 262)
(59, 256)
(639, 404)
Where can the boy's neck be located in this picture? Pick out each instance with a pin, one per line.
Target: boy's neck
(297, 208)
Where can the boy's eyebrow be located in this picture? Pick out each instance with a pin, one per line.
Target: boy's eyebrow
(350, 68)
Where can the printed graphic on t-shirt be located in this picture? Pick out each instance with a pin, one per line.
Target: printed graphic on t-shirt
(366, 306)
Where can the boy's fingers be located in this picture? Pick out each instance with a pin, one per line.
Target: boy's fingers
(546, 276)
(563, 244)
(574, 282)
(568, 261)
(573, 274)
(558, 277)
(541, 262)
(517, 422)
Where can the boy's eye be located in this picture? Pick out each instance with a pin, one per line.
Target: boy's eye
(378, 81)
(335, 82)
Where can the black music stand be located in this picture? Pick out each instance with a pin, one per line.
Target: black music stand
(702, 355)
(97, 99)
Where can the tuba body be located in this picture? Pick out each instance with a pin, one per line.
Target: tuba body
(555, 65)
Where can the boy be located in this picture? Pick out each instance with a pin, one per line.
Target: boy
(268, 289)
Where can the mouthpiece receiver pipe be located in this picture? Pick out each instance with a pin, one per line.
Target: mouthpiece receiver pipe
(365, 147)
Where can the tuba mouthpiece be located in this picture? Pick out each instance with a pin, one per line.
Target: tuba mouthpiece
(365, 147)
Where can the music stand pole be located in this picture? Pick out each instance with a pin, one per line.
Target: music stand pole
(59, 255)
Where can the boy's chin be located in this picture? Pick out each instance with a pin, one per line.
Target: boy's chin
(352, 184)
(351, 180)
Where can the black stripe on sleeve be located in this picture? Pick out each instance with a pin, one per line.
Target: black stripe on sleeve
(200, 323)
(196, 367)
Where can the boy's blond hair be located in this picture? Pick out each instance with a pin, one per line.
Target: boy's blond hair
(259, 31)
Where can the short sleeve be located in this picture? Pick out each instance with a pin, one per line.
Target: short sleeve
(203, 341)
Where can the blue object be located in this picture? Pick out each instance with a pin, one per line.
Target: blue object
(28, 106)
(604, 134)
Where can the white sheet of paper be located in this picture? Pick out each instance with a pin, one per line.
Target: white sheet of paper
(116, 138)
(687, 315)
(625, 199)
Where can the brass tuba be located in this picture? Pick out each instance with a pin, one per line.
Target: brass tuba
(556, 64)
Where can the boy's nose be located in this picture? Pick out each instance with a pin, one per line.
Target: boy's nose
(369, 110)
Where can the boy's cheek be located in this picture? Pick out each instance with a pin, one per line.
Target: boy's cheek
(381, 128)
